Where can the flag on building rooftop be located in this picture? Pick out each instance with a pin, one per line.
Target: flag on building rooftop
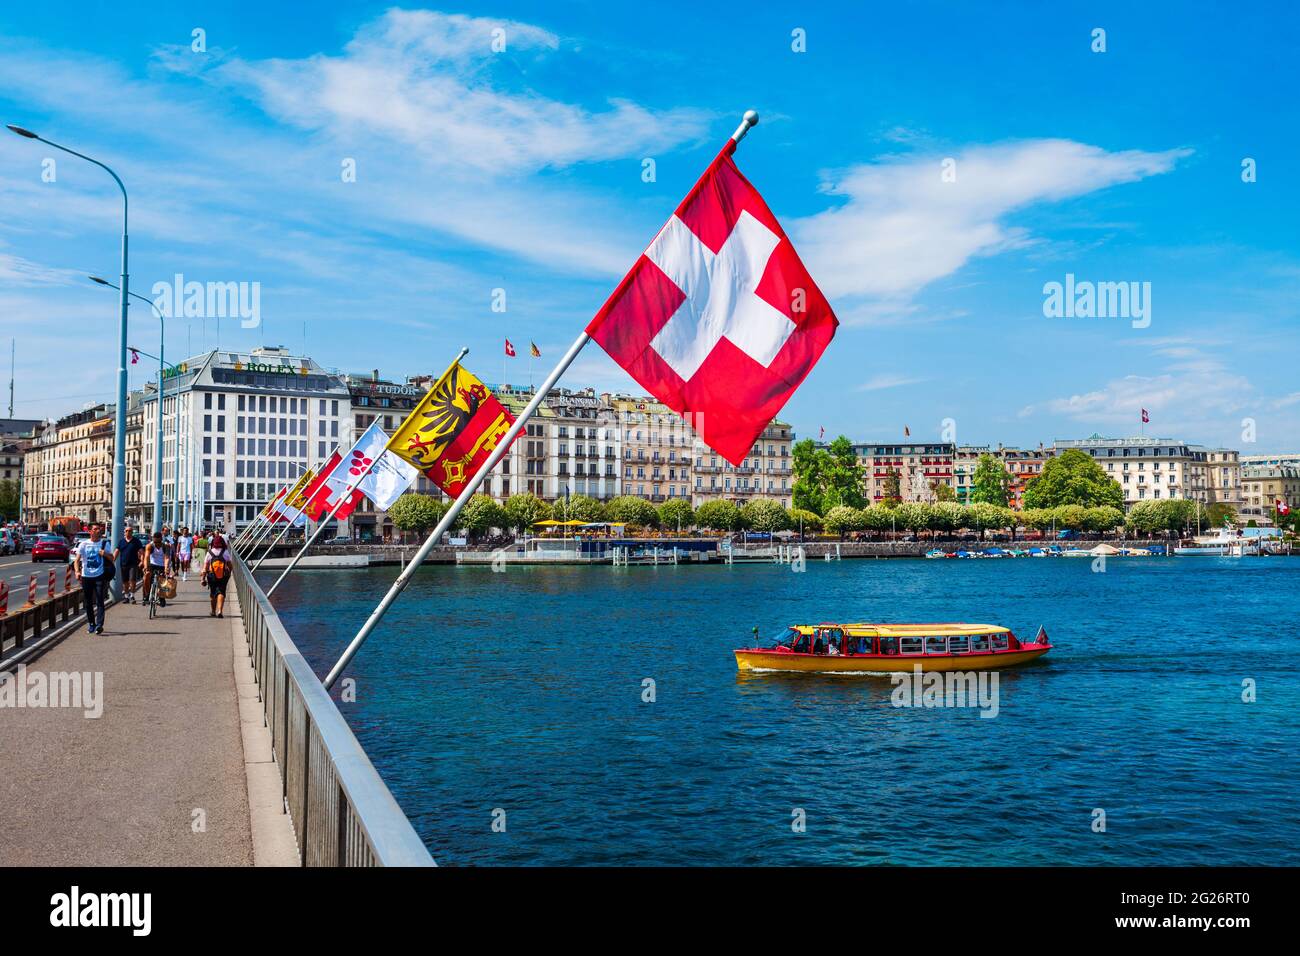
(537, 353)
(510, 349)
(1145, 417)
(718, 318)
(453, 430)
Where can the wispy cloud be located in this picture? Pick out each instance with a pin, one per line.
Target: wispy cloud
(903, 225)
(887, 380)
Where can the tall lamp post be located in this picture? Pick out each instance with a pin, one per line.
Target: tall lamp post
(119, 429)
(158, 439)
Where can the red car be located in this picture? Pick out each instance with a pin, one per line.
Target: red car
(49, 546)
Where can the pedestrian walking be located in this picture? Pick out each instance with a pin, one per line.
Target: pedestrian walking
(216, 574)
(184, 552)
(127, 558)
(91, 565)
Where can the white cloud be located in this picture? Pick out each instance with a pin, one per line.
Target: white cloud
(887, 380)
(902, 226)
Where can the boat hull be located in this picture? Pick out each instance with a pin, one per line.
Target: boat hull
(759, 660)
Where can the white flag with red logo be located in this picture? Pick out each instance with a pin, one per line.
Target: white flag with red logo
(389, 476)
(719, 319)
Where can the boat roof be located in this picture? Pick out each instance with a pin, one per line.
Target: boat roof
(909, 630)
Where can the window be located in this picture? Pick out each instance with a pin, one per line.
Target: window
(936, 645)
(906, 645)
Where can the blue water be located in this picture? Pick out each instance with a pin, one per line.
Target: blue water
(523, 691)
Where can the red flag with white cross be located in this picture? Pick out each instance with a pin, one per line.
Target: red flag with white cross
(718, 318)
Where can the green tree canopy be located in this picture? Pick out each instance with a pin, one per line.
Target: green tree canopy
(1102, 519)
(630, 509)
(844, 518)
(416, 512)
(9, 500)
(676, 514)
(718, 516)
(524, 510)
(808, 520)
(1221, 515)
(942, 491)
(826, 477)
(1073, 478)
(481, 514)
(764, 514)
(581, 508)
(991, 484)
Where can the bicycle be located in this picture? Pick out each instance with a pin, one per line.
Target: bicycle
(151, 599)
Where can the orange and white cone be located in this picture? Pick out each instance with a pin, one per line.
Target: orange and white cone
(4, 599)
(67, 579)
(31, 592)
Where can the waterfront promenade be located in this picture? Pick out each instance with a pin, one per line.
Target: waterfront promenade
(177, 769)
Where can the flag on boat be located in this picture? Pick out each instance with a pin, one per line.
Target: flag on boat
(1146, 419)
(718, 318)
(370, 471)
(453, 430)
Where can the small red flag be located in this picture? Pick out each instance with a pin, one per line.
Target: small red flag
(135, 356)
(1145, 417)
(510, 349)
(1282, 507)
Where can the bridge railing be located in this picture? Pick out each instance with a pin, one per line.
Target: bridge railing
(342, 812)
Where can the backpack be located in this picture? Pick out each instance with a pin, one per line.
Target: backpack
(218, 569)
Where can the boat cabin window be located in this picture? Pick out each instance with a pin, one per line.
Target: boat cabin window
(909, 645)
(936, 645)
(958, 644)
(861, 645)
(889, 645)
(802, 643)
(979, 642)
(999, 641)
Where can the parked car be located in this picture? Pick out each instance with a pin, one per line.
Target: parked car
(340, 539)
(7, 543)
(50, 547)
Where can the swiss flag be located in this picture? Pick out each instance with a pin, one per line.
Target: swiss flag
(1282, 507)
(510, 349)
(718, 318)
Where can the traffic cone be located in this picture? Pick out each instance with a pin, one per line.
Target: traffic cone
(4, 599)
(49, 591)
(67, 579)
(31, 592)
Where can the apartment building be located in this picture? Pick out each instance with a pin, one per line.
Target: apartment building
(1264, 485)
(765, 473)
(920, 466)
(658, 449)
(68, 469)
(1152, 469)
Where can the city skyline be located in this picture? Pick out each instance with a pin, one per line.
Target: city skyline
(523, 171)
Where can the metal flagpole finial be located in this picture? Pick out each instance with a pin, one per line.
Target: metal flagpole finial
(749, 120)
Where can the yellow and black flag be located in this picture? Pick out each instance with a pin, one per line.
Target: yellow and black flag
(453, 430)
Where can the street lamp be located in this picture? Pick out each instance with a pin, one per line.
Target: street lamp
(157, 444)
(119, 429)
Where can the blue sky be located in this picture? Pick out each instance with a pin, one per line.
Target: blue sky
(522, 170)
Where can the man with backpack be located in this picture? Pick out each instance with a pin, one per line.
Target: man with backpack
(93, 567)
(216, 574)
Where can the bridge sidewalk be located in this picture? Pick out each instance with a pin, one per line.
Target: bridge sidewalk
(159, 778)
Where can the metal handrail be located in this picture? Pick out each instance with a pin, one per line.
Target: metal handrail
(342, 812)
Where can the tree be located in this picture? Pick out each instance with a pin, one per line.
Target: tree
(1073, 478)
(893, 488)
(764, 514)
(983, 516)
(1102, 519)
(632, 510)
(480, 515)
(827, 477)
(947, 516)
(807, 520)
(676, 514)
(9, 500)
(843, 518)
(877, 518)
(1220, 515)
(912, 516)
(718, 516)
(582, 508)
(942, 491)
(991, 484)
(416, 512)
(522, 511)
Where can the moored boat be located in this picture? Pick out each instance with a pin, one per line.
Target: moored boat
(889, 648)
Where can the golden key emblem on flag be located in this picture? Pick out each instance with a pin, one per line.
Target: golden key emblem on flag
(454, 471)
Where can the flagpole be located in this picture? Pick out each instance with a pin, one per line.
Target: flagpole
(290, 523)
(457, 506)
(348, 494)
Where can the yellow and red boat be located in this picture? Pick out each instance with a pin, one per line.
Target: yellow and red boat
(889, 648)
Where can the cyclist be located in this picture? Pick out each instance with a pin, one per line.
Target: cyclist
(184, 552)
(157, 563)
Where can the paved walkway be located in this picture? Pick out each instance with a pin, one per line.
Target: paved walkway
(160, 777)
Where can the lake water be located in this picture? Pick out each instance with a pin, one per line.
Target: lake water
(522, 691)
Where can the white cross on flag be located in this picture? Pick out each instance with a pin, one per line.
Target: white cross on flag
(718, 319)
